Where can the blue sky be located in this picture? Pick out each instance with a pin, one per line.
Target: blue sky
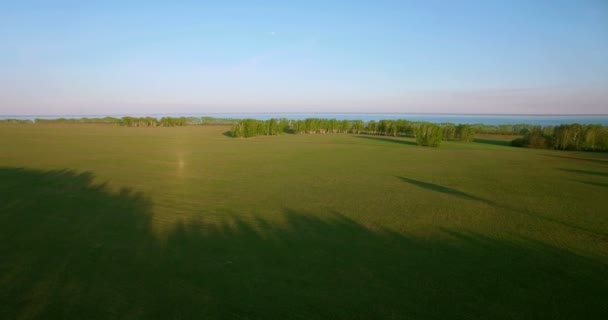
(120, 57)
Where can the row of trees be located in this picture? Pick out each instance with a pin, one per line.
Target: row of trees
(427, 134)
(462, 132)
(316, 125)
(251, 127)
(104, 120)
(21, 121)
(162, 122)
(138, 122)
(566, 137)
(313, 125)
(132, 121)
(562, 137)
(172, 121)
(503, 129)
(383, 127)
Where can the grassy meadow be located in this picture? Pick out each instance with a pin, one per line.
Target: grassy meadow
(109, 222)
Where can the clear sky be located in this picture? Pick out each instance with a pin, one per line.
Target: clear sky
(121, 57)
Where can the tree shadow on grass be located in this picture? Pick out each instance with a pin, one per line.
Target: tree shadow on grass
(593, 160)
(587, 172)
(503, 143)
(467, 196)
(597, 184)
(227, 134)
(446, 190)
(386, 139)
(74, 249)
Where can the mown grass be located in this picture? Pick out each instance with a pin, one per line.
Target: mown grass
(99, 221)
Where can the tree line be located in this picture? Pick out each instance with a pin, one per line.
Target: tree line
(153, 122)
(426, 133)
(252, 127)
(503, 129)
(562, 137)
(20, 121)
(576, 137)
(104, 120)
(172, 121)
(131, 121)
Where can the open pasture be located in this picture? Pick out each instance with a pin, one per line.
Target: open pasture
(101, 221)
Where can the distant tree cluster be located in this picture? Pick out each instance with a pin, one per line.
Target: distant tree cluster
(461, 132)
(426, 134)
(21, 121)
(104, 120)
(503, 129)
(173, 121)
(565, 137)
(382, 127)
(162, 122)
(139, 122)
(132, 121)
(251, 127)
(316, 125)
(214, 121)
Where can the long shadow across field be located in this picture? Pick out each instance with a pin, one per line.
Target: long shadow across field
(392, 140)
(593, 160)
(446, 190)
(587, 172)
(74, 249)
(597, 184)
(467, 196)
(503, 143)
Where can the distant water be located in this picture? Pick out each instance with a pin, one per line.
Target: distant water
(544, 120)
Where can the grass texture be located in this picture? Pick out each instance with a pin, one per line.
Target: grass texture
(106, 222)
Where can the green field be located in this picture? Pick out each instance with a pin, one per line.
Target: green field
(108, 222)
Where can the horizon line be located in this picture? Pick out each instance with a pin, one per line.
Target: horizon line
(296, 113)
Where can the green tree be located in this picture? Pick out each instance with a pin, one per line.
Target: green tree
(299, 126)
(404, 128)
(429, 134)
(465, 132)
(334, 126)
(449, 131)
(372, 127)
(563, 135)
(345, 126)
(358, 126)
